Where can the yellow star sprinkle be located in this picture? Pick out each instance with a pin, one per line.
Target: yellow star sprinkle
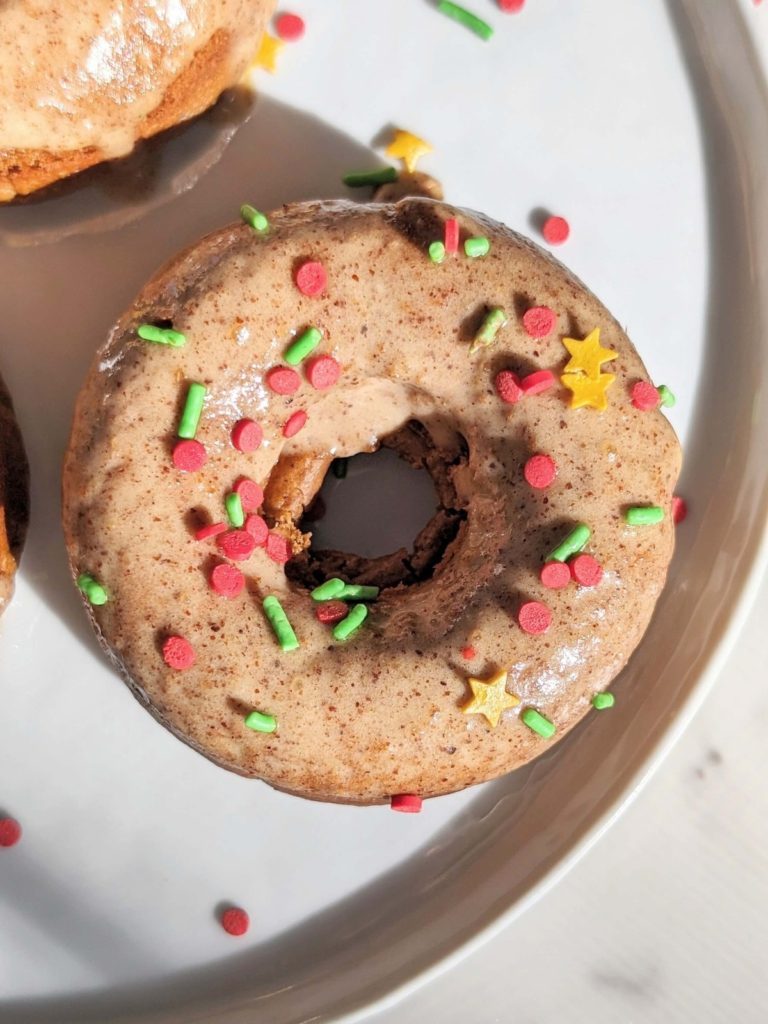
(409, 148)
(490, 697)
(266, 56)
(587, 356)
(587, 391)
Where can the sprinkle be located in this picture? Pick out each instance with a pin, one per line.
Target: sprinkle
(538, 723)
(555, 575)
(511, 6)
(343, 630)
(193, 407)
(451, 235)
(407, 147)
(289, 27)
(666, 396)
(266, 57)
(323, 372)
(587, 356)
(306, 342)
(437, 251)
(644, 396)
(494, 320)
(329, 590)
(178, 652)
(536, 382)
(586, 570)
(406, 803)
(279, 548)
(10, 832)
(534, 618)
(93, 590)
(572, 545)
(260, 722)
(466, 18)
(475, 247)
(281, 627)
(294, 423)
(161, 335)
(235, 921)
(540, 471)
(490, 698)
(237, 544)
(339, 467)
(258, 529)
(247, 435)
(234, 506)
(212, 530)
(679, 509)
(507, 385)
(588, 392)
(189, 456)
(283, 381)
(311, 278)
(381, 176)
(468, 652)
(601, 701)
(539, 321)
(556, 230)
(250, 493)
(643, 515)
(254, 218)
(226, 580)
(330, 612)
(358, 592)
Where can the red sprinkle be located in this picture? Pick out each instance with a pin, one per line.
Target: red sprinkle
(507, 386)
(407, 803)
(539, 321)
(679, 509)
(323, 372)
(212, 530)
(279, 548)
(294, 423)
(235, 921)
(555, 575)
(331, 611)
(644, 396)
(258, 529)
(282, 380)
(311, 278)
(556, 230)
(189, 456)
(511, 6)
(586, 570)
(10, 831)
(237, 544)
(247, 435)
(537, 382)
(289, 27)
(178, 652)
(226, 580)
(451, 235)
(468, 652)
(250, 493)
(534, 617)
(540, 471)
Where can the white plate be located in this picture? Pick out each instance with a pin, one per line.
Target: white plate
(596, 110)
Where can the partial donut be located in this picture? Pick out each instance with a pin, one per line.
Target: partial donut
(14, 497)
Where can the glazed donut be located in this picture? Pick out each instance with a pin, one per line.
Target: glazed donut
(14, 496)
(328, 329)
(81, 82)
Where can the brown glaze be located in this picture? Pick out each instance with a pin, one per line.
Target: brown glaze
(14, 496)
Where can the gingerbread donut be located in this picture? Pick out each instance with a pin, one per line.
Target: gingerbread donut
(205, 429)
(81, 82)
(14, 497)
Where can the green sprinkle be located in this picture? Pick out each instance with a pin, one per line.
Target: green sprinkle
(572, 544)
(278, 620)
(93, 590)
(464, 17)
(644, 515)
(193, 407)
(329, 590)
(255, 218)
(381, 176)
(261, 723)
(666, 396)
(344, 629)
(339, 468)
(358, 592)
(475, 247)
(306, 342)
(490, 327)
(234, 507)
(436, 252)
(538, 723)
(601, 701)
(161, 335)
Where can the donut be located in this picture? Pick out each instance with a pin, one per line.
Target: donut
(14, 496)
(337, 328)
(82, 82)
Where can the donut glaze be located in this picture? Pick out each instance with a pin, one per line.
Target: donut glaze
(381, 713)
(14, 498)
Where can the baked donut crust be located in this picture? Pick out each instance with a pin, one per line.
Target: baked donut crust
(14, 496)
(384, 712)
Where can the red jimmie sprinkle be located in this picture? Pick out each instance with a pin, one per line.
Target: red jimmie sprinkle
(282, 380)
(511, 6)
(289, 27)
(279, 548)
(534, 617)
(556, 230)
(507, 386)
(226, 580)
(406, 803)
(212, 530)
(537, 382)
(644, 396)
(178, 652)
(235, 921)
(189, 456)
(468, 652)
(250, 493)
(331, 611)
(323, 372)
(311, 278)
(10, 831)
(555, 575)
(294, 423)
(258, 529)
(237, 544)
(247, 435)
(539, 321)
(451, 235)
(679, 510)
(586, 570)
(540, 471)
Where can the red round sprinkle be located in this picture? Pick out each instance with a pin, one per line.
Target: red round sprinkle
(235, 921)
(311, 278)
(237, 544)
(679, 510)
(556, 230)
(212, 530)
(331, 611)
(279, 548)
(10, 831)
(511, 6)
(540, 471)
(250, 493)
(247, 435)
(537, 382)
(407, 803)
(555, 575)
(468, 652)
(294, 423)
(451, 235)
(258, 529)
(189, 456)
(534, 617)
(289, 27)
(323, 372)
(178, 652)
(644, 396)
(539, 321)
(507, 386)
(282, 380)
(226, 580)
(586, 570)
